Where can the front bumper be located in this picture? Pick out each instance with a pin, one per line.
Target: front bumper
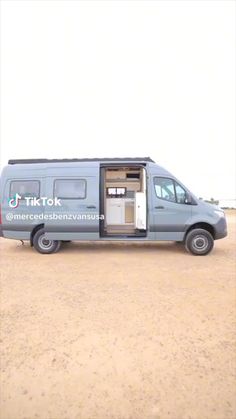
(220, 229)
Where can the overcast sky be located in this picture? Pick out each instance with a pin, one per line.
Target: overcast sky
(125, 78)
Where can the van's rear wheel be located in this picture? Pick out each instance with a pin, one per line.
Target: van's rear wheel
(43, 245)
(199, 242)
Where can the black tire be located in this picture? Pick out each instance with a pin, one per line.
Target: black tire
(43, 245)
(199, 242)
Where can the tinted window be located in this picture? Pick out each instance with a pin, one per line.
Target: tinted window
(170, 190)
(25, 188)
(70, 188)
(164, 188)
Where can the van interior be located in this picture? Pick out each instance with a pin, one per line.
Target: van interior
(124, 201)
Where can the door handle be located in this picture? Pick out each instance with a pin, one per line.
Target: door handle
(159, 207)
(91, 207)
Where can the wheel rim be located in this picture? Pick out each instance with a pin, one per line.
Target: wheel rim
(200, 243)
(45, 243)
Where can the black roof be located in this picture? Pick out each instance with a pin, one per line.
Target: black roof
(120, 159)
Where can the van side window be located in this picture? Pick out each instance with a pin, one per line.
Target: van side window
(70, 188)
(170, 190)
(165, 188)
(25, 188)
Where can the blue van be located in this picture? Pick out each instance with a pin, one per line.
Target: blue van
(52, 201)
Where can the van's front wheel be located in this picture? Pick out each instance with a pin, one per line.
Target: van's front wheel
(199, 242)
(43, 245)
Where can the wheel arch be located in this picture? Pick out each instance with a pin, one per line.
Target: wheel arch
(206, 226)
(35, 229)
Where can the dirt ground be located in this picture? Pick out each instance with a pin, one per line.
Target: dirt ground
(118, 331)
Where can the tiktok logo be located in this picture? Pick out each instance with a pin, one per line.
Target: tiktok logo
(14, 202)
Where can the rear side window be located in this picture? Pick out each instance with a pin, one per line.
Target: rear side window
(70, 188)
(25, 188)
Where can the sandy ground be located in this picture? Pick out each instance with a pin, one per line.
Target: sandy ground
(118, 331)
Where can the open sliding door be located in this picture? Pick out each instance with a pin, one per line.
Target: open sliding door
(141, 204)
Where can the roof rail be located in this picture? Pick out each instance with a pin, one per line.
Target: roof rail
(120, 159)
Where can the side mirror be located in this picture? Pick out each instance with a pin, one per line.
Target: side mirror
(188, 200)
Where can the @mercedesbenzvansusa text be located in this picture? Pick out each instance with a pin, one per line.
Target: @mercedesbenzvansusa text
(10, 216)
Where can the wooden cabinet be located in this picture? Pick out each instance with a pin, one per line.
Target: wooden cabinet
(115, 211)
(119, 211)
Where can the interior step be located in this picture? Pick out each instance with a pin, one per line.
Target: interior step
(123, 231)
(120, 229)
(125, 235)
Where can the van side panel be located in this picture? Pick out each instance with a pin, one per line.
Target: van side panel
(69, 229)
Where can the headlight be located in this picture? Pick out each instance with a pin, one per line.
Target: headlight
(220, 213)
